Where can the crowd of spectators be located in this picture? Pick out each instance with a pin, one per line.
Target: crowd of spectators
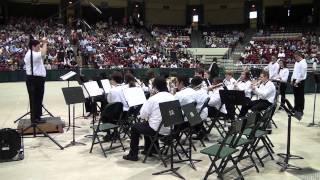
(222, 39)
(105, 45)
(260, 50)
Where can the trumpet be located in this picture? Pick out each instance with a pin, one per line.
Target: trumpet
(256, 83)
(212, 87)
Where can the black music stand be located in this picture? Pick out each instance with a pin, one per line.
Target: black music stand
(316, 77)
(287, 156)
(171, 115)
(72, 96)
(67, 78)
(191, 113)
(232, 99)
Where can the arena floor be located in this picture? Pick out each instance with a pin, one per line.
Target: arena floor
(44, 160)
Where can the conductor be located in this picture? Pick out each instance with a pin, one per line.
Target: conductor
(35, 76)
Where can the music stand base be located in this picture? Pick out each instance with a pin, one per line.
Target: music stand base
(191, 162)
(283, 155)
(287, 166)
(172, 170)
(313, 125)
(68, 127)
(74, 143)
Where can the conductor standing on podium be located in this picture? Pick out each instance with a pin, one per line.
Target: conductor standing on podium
(35, 79)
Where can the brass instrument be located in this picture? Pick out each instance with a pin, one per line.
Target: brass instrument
(212, 87)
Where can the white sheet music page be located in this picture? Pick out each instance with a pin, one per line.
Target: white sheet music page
(68, 75)
(134, 96)
(106, 85)
(85, 93)
(93, 88)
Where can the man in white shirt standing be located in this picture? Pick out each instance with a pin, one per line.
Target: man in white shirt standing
(266, 92)
(36, 74)
(150, 111)
(283, 78)
(297, 80)
(272, 68)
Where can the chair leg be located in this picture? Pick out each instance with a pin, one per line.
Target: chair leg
(209, 170)
(104, 153)
(270, 142)
(93, 141)
(237, 168)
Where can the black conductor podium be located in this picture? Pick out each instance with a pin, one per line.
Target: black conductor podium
(72, 96)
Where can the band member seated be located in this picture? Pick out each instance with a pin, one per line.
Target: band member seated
(283, 79)
(229, 81)
(147, 83)
(266, 92)
(243, 84)
(215, 101)
(200, 96)
(206, 79)
(116, 93)
(185, 94)
(150, 111)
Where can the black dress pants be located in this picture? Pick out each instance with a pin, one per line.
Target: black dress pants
(136, 130)
(283, 87)
(257, 105)
(299, 97)
(35, 87)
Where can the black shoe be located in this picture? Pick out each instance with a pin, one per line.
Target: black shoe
(130, 157)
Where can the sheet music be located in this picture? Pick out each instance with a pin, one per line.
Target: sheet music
(68, 75)
(93, 88)
(106, 85)
(134, 96)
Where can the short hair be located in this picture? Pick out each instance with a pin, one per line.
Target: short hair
(184, 79)
(298, 53)
(196, 81)
(228, 72)
(247, 74)
(160, 84)
(117, 77)
(265, 73)
(214, 59)
(284, 63)
(129, 78)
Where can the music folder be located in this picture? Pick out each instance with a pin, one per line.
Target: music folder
(93, 88)
(134, 96)
(68, 75)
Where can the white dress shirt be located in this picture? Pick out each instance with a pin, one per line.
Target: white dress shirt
(185, 96)
(38, 66)
(201, 96)
(229, 83)
(150, 111)
(283, 74)
(299, 71)
(244, 86)
(266, 91)
(116, 95)
(273, 69)
(215, 101)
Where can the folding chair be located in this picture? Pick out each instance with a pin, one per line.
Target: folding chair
(223, 152)
(261, 134)
(111, 114)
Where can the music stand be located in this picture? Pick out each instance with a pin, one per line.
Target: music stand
(72, 96)
(233, 98)
(171, 115)
(316, 77)
(67, 77)
(287, 156)
(191, 113)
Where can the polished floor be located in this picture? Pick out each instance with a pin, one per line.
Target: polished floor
(45, 161)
